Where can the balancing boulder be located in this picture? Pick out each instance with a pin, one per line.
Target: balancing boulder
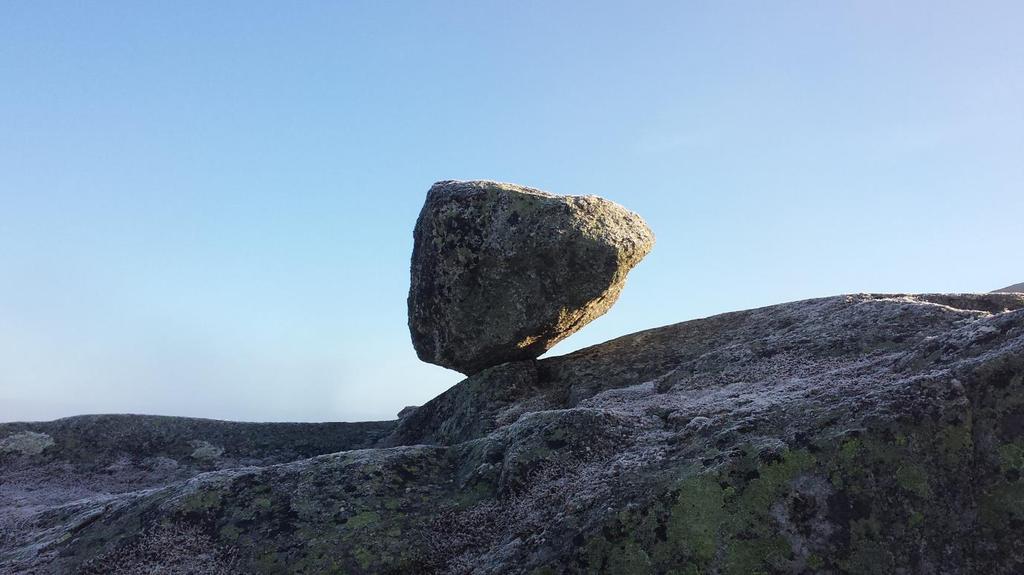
(502, 272)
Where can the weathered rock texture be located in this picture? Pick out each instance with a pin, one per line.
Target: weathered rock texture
(852, 434)
(502, 272)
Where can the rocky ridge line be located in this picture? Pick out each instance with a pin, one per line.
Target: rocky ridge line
(853, 434)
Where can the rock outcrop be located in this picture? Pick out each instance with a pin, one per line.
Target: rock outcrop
(502, 272)
(1015, 288)
(852, 434)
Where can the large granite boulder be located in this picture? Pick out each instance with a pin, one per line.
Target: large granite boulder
(502, 272)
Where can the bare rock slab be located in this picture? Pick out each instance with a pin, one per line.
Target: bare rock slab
(865, 433)
(502, 272)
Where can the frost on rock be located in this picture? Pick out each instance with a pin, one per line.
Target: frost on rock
(167, 549)
(854, 434)
(26, 443)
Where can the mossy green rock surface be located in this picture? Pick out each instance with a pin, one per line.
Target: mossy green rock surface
(502, 272)
(852, 434)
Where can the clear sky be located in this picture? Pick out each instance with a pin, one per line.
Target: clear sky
(206, 208)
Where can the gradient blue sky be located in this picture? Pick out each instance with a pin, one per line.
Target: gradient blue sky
(206, 208)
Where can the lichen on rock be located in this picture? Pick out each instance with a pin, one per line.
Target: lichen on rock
(502, 272)
(26, 443)
(205, 450)
(866, 433)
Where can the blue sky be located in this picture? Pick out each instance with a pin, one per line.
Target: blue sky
(206, 209)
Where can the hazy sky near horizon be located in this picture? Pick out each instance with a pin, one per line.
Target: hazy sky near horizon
(206, 209)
